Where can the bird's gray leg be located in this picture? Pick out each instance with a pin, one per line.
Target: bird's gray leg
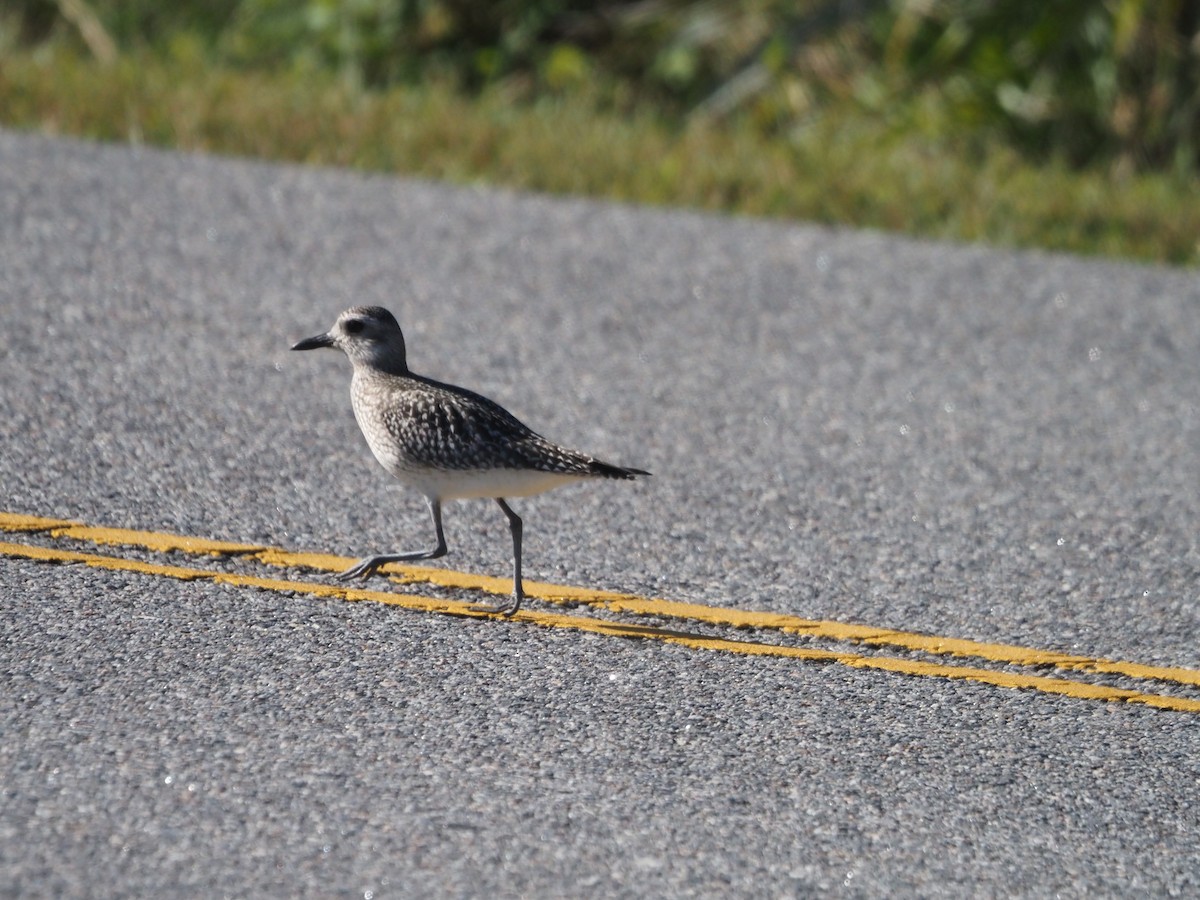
(369, 565)
(514, 524)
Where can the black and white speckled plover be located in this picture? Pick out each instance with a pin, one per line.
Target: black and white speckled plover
(447, 442)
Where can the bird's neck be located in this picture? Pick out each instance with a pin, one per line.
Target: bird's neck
(388, 362)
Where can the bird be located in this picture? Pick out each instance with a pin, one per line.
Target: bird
(447, 442)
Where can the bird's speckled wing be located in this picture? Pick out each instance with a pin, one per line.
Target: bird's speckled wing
(439, 426)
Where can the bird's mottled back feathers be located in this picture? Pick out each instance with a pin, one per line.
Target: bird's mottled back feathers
(440, 426)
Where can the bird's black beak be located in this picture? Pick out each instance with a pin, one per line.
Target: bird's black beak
(314, 343)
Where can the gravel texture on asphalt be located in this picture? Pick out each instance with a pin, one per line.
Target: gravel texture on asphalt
(970, 442)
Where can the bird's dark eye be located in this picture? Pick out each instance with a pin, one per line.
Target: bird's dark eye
(354, 326)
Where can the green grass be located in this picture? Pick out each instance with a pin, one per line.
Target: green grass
(846, 167)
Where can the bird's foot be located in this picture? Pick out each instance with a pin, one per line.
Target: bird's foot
(504, 609)
(364, 569)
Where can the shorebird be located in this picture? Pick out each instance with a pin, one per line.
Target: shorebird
(447, 442)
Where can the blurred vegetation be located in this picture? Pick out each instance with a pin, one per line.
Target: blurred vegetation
(930, 116)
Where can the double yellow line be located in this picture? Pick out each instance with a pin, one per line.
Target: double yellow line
(919, 647)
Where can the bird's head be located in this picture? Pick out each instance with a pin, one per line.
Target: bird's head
(369, 335)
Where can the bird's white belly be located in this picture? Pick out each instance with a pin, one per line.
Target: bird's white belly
(465, 485)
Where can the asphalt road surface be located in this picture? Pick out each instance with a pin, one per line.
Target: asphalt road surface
(928, 440)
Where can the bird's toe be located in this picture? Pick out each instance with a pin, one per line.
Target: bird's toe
(363, 569)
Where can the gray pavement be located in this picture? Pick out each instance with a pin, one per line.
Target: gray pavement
(970, 442)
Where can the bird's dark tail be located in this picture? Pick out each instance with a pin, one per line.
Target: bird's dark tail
(607, 470)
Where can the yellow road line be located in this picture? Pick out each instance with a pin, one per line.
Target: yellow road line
(1009, 654)
(1062, 687)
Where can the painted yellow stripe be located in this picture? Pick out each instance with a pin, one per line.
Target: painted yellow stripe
(1009, 654)
(16, 522)
(1058, 686)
